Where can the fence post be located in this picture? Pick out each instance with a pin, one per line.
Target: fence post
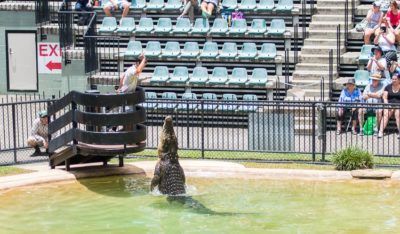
(313, 131)
(14, 132)
(324, 114)
(202, 129)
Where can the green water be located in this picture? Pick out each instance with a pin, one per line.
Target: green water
(124, 205)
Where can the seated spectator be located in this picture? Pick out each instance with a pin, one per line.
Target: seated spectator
(113, 5)
(39, 134)
(393, 19)
(188, 9)
(350, 94)
(391, 94)
(83, 5)
(377, 63)
(372, 94)
(207, 7)
(374, 18)
(384, 38)
(129, 79)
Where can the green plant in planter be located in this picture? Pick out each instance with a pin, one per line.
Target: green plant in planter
(352, 158)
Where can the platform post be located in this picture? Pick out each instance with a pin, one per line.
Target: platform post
(67, 165)
(121, 161)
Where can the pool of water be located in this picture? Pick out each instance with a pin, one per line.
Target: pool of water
(124, 205)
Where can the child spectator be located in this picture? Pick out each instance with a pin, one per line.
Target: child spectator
(350, 94)
(113, 5)
(391, 94)
(372, 94)
(374, 18)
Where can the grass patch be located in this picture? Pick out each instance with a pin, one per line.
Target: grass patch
(10, 170)
(288, 166)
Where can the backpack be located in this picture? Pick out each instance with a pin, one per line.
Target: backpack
(369, 125)
(237, 15)
(362, 25)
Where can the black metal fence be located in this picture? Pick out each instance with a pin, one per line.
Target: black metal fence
(236, 129)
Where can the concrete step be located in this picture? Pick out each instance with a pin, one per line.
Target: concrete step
(336, 10)
(315, 58)
(317, 49)
(321, 42)
(327, 25)
(314, 66)
(333, 3)
(323, 17)
(331, 34)
(312, 75)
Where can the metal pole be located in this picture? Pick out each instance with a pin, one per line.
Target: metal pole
(313, 131)
(202, 129)
(14, 132)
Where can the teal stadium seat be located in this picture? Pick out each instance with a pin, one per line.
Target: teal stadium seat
(265, 6)
(277, 28)
(169, 102)
(247, 5)
(230, 106)
(180, 75)
(138, 4)
(134, 50)
(182, 26)
(108, 26)
(366, 54)
(258, 27)
(210, 50)
(150, 103)
(190, 50)
(361, 77)
(153, 49)
(184, 106)
(219, 76)
(173, 5)
(164, 26)
(259, 77)
(238, 77)
(199, 76)
(220, 27)
(145, 26)
(155, 5)
(238, 28)
(160, 75)
(127, 25)
(248, 105)
(229, 4)
(171, 50)
(210, 103)
(229, 51)
(284, 6)
(267, 52)
(201, 27)
(248, 51)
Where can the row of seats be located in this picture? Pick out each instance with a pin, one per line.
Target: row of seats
(365, 54)
(283, 6)
(219, 76)
(191, 50)
(201, 27)
(168, 104)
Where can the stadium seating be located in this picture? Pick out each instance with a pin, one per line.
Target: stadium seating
(365, 54)
(247, 105)
(164, 26)
(229, 4)
(248, 51)
(220, 27)
(211, 105)
(210, 50)
(149, 104)
(173, 5)
(145, 26)
(361, 77)
(169, 103)
(160, 75)
(108, 26)
(284, 6)
(267, 52)
(155, 5)
(247, 5)
(201, 27)
(153, 49)
(134, 50)
(199, 76)
(277, 27)
(183, 106)
(238, 77)
(127, 26)
(259, 77)
(219, 76)
(138, 4)
(190, 50)
(171, 50)
(258, 27)
(180, 75)
(238, 28)
(265, 6)
(229, 51)
(182, 26)
(228, 97)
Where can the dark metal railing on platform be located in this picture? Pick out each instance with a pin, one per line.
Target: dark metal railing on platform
(330, 74)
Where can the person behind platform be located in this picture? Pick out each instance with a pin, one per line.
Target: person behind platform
(372, 94)
(391, 95)
(128, 79)
(83, 6)
(38, 136)
(113, 5)
(374, 18)
(207, 7)
(350, 94)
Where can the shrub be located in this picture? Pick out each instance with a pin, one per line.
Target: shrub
(352, 158)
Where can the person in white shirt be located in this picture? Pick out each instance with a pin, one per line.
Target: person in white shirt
(39, 134)
(129, 79)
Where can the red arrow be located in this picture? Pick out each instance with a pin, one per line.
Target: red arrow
(52, 66)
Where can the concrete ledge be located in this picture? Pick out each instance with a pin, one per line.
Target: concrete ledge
(371, 174)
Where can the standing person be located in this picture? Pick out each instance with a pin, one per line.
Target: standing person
(372, 94)
(391, 94)
(374, 18)
(377, 63)
(393, 19)
(207, 7)
(350, 94)
(128, 79)
(85, 6)
(113, 5)
(39, 134)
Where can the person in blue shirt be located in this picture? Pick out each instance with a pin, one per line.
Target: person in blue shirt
(350, 94)
(83, 5)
